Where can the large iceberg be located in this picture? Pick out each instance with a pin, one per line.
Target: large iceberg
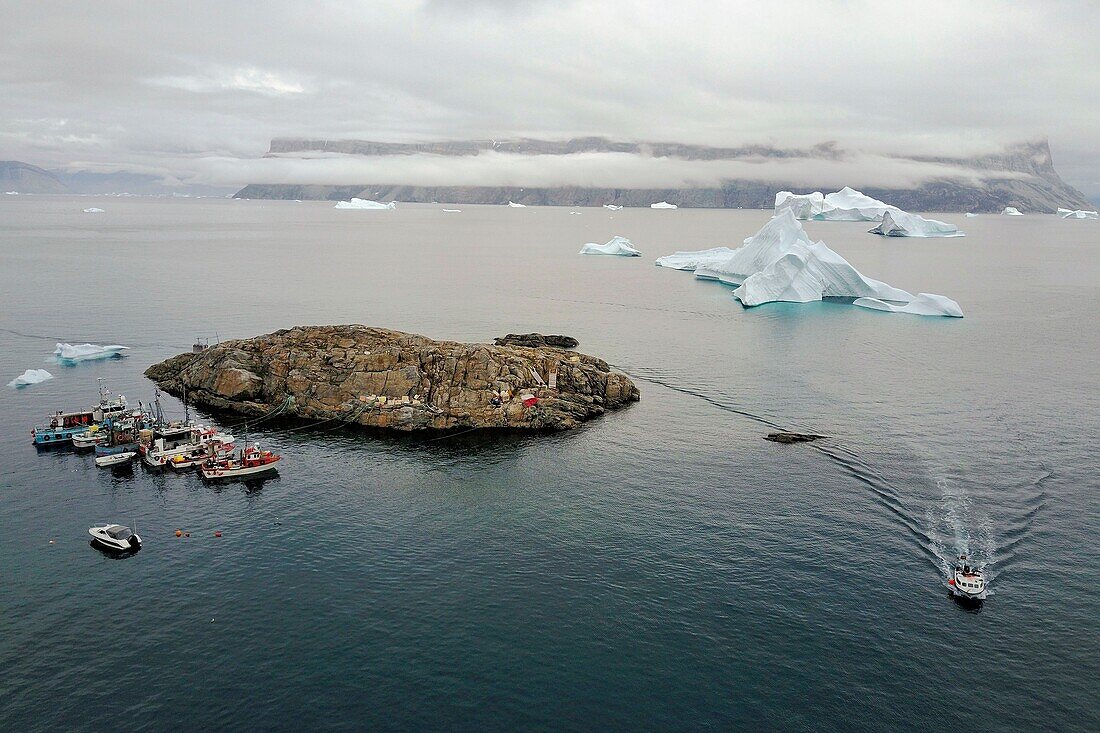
(72, 353)
(616, 246)
(925, 304)
(514, 205)
(781, 263)
(1077, 214)
(365, 204)
(847, 204)
(662, 205)
(31, 376)
(904, 224)
(612, 207)
(1011, 211)
(695, 260)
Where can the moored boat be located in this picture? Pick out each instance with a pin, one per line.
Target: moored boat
(90, 438)
(64, 425)
(115, 459)
(250, 461)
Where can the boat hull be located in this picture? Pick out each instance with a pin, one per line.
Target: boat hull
(216, 474)
(114, 459)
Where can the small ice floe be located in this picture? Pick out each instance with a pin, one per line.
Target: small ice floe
(612, 207)
(1011, 211)
(514, 205)
(904, 224)
(452, 211)
(662, 205)
(575, 213)
(616, 246)
(365, 205)
(93, 210)
(73, 353)
(970, 215)
(29, 377)
(781, 263)
(11, 193)
(925, 304)
(1077, 214)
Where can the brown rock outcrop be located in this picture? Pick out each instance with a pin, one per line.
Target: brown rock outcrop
(388, 379)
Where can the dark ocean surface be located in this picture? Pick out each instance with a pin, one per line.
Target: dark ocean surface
(661, 568)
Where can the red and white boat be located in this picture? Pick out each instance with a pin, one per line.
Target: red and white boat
(251, 461)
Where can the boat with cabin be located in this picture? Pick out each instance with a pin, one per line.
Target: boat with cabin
(62, 426)
(249, 461)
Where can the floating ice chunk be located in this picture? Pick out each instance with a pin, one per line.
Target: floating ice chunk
(93, 210)
(574, 213)
(72, 353)
(662, 205)
(11, 193)
(452, 211)
(612, 207)
(364, 204)
(803, 206)
(1011, 211)
(925, 304)
(1077, 214)
(616, 246)
(970, 215)
(514, 205)
(695, 260)
(31, 376)
(904, 224)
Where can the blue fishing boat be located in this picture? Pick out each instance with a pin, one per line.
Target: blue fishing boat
(62, 426)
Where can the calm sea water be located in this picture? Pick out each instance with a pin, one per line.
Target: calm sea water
(661, 568)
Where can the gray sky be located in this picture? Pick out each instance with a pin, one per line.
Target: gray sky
(188, 90)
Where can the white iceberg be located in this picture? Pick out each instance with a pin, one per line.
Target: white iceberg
(662, 205)
(11, 193)
(970, 215)
(31, 376)
(695, 260)
(925, 304)
(616, 246)
(612, 207)
(452, 211)
(574, 213)
(847, 204)
(802, 205)
(72, 353)
(514, 205)
(93, 210)
(1011, 211)
(904, 224)
(781, 263)
(365, 205)
(1077, 214)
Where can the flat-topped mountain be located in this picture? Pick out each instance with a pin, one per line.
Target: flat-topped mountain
(1021, 175)
(388, 379)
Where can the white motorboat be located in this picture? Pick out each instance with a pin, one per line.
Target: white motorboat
(967, 580)
(115, 459)
(92, 437)
(115, 538)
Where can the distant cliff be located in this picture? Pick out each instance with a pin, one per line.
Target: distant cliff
(27, 178)
(1022, 176)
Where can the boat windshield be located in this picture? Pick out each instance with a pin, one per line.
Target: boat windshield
(120, 533)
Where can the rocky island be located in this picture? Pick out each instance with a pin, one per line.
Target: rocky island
(380, 378)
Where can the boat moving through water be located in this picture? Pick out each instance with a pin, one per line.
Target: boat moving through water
(967, 581)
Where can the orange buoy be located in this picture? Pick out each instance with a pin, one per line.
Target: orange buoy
(179, 533)
(218, 534)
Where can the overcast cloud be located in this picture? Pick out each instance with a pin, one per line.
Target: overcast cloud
(195, 91)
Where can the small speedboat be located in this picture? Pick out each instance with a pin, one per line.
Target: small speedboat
(967, 580)
(115, 538)
(115, 459)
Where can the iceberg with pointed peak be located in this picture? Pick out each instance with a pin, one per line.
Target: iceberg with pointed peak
(662, 205)
(1078, 214)
(365, 205)
(1011, 211)
(616, 246)
(925, 304)
(72, 353)
(904, 224)
(781, 263)
(31, 376)
(514, 205)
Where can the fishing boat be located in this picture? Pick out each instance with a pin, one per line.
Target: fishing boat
(115, 538)
(62, 426)
(212, 444)
(122, 435)
(115, 459)
(250, 461)
(90, 438)
(967, 581)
